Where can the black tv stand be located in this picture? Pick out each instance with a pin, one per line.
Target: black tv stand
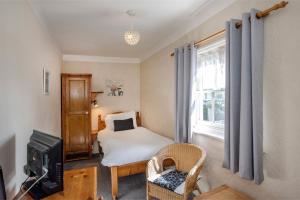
(36, 192)
(42, 189)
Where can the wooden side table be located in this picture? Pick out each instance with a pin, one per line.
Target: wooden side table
(79, 184)
(222, 193)
(94, 136)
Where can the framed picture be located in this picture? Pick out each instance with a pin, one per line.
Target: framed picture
(114, 88)
(46, 81)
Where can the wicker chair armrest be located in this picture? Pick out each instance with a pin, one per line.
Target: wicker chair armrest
(193, 174)
(153, 167)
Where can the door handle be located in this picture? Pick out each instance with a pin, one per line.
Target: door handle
(86, 113)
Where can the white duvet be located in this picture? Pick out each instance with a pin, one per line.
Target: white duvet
(123, 147)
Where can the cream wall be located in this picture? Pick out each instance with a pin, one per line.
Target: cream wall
(25, 48)
(127, 74)
(158, 93)
(281, 99)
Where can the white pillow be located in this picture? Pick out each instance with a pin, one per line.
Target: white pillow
(109, 119)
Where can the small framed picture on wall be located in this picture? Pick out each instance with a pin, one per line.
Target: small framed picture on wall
(46, 81)
(114, 88)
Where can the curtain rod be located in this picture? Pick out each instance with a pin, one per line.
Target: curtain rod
(259, 15)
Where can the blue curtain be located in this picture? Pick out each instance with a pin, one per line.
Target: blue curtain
(185, 64)
(244, 97)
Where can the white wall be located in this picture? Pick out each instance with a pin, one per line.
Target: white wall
(25, 48)
(127, 74)
(281, 99)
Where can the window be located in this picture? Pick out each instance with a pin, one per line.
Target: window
(209, 112)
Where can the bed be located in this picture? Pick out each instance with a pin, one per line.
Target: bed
(127, 152)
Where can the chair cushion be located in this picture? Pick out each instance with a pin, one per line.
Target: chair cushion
(170, 179)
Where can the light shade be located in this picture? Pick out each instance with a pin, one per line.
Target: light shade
(132, 37)
(95, 103)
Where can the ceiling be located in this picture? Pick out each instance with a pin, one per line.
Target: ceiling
(96, 27)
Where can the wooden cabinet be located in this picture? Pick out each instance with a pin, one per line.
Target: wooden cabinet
(76, 115)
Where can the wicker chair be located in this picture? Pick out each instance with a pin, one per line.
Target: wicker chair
(187, 158)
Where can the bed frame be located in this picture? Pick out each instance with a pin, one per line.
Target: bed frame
(123, 170)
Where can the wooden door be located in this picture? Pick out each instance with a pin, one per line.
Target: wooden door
(76, 113)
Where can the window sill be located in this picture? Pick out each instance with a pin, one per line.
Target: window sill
(215, 133)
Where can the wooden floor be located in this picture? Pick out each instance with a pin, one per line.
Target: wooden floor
(223, 193)
(79, 184)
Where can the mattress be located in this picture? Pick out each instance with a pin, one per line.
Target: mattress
(129, 146)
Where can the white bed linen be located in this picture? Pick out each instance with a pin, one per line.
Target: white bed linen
(123, 147)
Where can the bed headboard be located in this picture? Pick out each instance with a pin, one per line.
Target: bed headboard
(101, 122)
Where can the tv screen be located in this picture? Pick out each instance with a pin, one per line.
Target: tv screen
(2, 187)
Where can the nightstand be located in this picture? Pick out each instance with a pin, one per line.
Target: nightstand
(98, 148)
(94, 136)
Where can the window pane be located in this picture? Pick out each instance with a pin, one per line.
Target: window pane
(210, 86)
(207, 106)
(219, 106)
(211, 69)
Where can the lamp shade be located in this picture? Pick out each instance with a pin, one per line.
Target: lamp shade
(132, 37)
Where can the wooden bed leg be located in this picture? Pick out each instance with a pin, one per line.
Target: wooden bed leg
(114, 182)
(147, 197)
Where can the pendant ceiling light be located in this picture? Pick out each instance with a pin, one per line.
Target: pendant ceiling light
(131, 37)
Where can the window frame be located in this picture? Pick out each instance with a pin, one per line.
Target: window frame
(207, 128)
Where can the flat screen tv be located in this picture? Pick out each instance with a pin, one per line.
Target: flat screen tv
(45, 161)
(2, 186)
